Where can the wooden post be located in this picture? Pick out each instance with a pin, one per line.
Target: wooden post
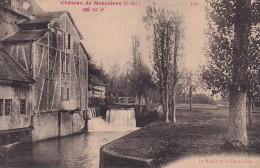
(48, 68)
(34, 52)
(55, 60)
(54, 94)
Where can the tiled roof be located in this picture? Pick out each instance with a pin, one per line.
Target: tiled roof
(94, 89)
(11, 70)
(34, 8)
(48, 17)
(44, 17)
(93, 80)
(16, 11)
(25, 35)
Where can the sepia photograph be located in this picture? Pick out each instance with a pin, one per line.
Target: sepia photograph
(129, 83)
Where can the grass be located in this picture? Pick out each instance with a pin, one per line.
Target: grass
(199, 132)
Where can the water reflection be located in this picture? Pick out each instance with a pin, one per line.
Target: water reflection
(73, 151)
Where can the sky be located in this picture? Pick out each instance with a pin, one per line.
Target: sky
(107, 35)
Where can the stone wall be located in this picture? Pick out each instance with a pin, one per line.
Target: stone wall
(78, 122)
(45, 125)
(111, 159)
(15, 92)
(55, 124)
(12, 136)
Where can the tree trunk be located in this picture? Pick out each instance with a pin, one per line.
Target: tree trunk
(174, 106)
(165, 102)
(253, 104)
(250, 112)
(167, 105)
(190, 102)
(139, 97)
(237, 134)
(175, 71)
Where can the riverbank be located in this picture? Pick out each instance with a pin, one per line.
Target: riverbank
(202, 131)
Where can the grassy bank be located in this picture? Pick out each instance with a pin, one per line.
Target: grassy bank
(198, 132)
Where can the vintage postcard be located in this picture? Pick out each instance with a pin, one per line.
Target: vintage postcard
(129, 83)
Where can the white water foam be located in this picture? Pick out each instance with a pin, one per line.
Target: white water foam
(117, 119)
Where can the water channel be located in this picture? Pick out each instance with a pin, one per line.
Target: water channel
(74, 151)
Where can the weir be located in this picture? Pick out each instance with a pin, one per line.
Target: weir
(121, 117)
(117, 119)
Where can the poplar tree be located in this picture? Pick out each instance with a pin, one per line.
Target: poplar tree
(166, 32)
(232, 61)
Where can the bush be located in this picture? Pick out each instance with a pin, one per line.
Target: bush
(109, 100)
(95, 102)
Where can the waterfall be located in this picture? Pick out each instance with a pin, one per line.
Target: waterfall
(117, 119)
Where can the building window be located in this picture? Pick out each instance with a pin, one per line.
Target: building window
(8, 106)
(67, 65)
(22, 106)
(62, 93)
(1, 107)
(68, 41)
(77, 68)
(65, 93)
(63, 66)
(68, 93)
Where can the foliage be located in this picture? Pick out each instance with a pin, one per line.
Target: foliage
(166, 31)
(221, 51)
(95, 102)
(253, 78)
(97, 71)
(109, 100)
(119, 85)
(190, 82)
(140, 77)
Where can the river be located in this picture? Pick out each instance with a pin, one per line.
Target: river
(81, 150)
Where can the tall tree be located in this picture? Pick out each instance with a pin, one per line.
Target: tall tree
(253, 91)
(96, 70)
(166, 31)
(192, 83)
(140, 76)
(230, 60)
